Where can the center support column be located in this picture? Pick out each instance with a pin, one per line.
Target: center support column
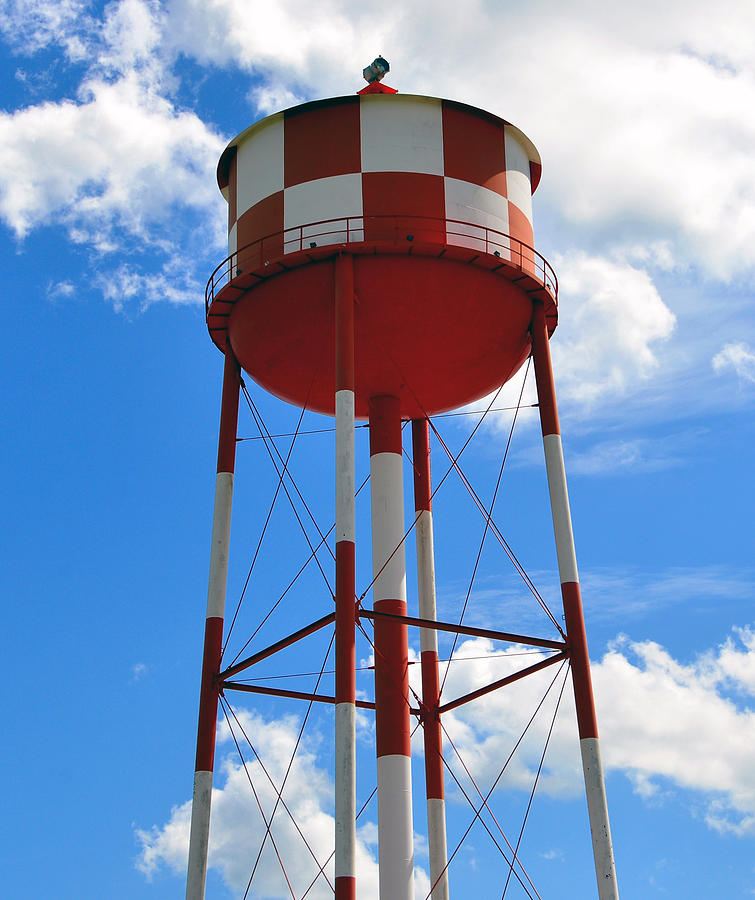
(436, 803)
(345, 748)
(392, 723)
(575, 624)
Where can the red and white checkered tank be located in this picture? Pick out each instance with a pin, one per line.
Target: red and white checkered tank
(434, 200)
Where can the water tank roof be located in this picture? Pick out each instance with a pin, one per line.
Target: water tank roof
(230, 151)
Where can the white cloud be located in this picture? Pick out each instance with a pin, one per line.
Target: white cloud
(131, 34)
(641, 127)
(646, 150)
(296, 55)
(138, 671)
(738, 357)
(662, 718)
(126, 285)
(30, 25)
(61, 290)
(632, 455)
(612, 323)
(119, 166)
(123, 158)
(658, 718)
(238, 828)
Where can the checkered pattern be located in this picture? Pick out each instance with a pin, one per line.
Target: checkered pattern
(362, 157)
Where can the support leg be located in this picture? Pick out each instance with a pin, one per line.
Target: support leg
(436, 803)
(395, 836)
(213, 641)
(345, 746)
(575, 624)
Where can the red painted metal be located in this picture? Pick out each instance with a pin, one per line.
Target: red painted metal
(345, 600)
(541, 356)
(278, 312)
(580, 660)
(229, 414)
(213, 640)
(392, 726)
(502, 682)
(278, 645)
(432, 733)
(293, 695)
(507, 636)
(345, 623)
(573, 613)
(208, 695)
(414, 314)
(421, 464)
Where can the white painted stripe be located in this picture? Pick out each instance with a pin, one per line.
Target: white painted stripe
(259, 164)
(437, 847)
(426, 578)
(401, 134)
(562, 528)
(345, 487)
(387, 492)
(221, 534)
(199, 836)
(337, 197)
(482, 207)
(518, 185)
(345, 780)
(605, 869)
(395, 829)
(233, 239)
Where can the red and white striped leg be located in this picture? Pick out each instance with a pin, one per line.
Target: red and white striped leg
(395, 836)
(575, 624)
(213, 641)
(345, 747)
(436, 803)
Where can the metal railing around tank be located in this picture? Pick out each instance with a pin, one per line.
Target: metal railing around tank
(390, 233)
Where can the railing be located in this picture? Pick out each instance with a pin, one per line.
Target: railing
(399, 233)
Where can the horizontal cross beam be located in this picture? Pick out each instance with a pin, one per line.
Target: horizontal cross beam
(465, 629)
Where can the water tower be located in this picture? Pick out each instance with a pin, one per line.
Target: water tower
(382, 267)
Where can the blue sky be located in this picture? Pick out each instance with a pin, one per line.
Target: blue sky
(112, 120)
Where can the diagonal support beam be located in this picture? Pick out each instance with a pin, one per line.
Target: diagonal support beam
(278, 645)
(502, 682)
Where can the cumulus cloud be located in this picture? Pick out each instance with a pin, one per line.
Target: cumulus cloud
(677, 722)
(641, 127)
(120, 166)
(238, 826)
(738, 357)
(612, 321)
(120, 159)
(293, 57)
(30, 25)
(645, 147)
(661, 723)
(173, 282)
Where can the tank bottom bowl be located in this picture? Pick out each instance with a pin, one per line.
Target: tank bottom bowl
(436, 333)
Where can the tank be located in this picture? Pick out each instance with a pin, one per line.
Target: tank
(432, 198)
(381, 265)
